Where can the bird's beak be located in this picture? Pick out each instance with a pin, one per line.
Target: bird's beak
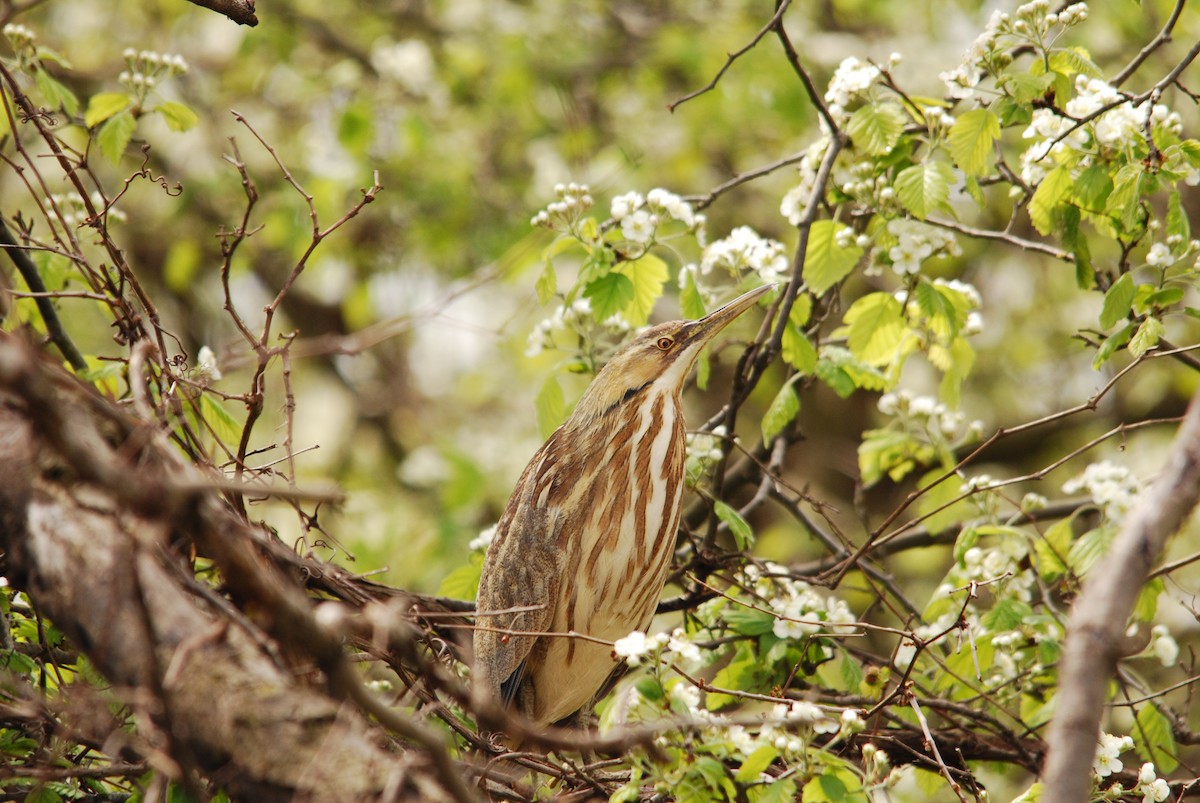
(706, 328)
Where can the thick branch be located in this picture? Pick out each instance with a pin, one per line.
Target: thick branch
(208, 680)
(1096, 632)
(240, 11)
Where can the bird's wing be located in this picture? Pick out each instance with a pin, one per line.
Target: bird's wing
(522, 572)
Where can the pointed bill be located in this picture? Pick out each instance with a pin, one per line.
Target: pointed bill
(706, 328)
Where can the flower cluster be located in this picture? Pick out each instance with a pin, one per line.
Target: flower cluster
(574, 319)
(145, 69)
(1114, 488)
(667, 648)
(851, 81)
(800, 610)
(639, 217)
(913, 242)
(1032, 24)
(1152, 788)
(481, 542)
(1112, 122)
(574, 200)
(930, 415)
(744, 250)
(703, 453)
(73, 212)
(19, 36)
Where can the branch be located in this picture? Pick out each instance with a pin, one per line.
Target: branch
(1096, 631)
(240, 11)
(33, 280)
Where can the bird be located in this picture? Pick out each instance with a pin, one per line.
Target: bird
(580, 554)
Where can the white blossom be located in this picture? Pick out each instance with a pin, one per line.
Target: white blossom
(1112, 487)
(626, 204)
(634, 647)
(482, 541)
(639, 226)
(1108, 753)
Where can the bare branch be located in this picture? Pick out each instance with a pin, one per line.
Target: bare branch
(240, 11)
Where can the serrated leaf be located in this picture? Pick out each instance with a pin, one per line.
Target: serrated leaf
(782, 411)
(972, 138)
(756, 763)
(825, 262)
(1146, 605)
(877, 328)
(1148, 334)
(1177, 224)
(114, 134)
(56, 94)
(104, 105)
(1092, 189)
(1117, 302)
(743, 535)
(1072, 60)
(941, 313)
(178, 116)
(1050, 551)
(463, 582)
(1026, 87)
(1090, 547)
(610, 294)
(1007, 614)
(691, 303)
(1154, 739)
(801, 311)
(1125, 201)
(798, 351)
(551, 406)
(925, 187)
(1049, 194)
(648, 274)
(1111, 344)
(875, 128)
(224, 426)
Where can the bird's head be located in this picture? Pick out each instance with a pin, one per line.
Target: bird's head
(661, 356)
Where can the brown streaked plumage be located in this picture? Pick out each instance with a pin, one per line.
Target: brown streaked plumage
(586, 539)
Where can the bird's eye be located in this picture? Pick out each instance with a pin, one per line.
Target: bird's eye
(665, 343)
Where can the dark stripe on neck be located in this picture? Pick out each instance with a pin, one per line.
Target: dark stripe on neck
(629, 394)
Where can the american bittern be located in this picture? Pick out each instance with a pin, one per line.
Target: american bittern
(586, 538)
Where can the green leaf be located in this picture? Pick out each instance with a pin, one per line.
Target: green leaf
(1072, 60)
(971, 140)
(1090, 547)
(1154, 739)
(960, 359)
(1125, 201)
(463, 582)
(547, 283)
(1110, 345)
(1049, 194)
(1050, 551)
(798, 350)
(801, 311)
(1146, 605)
(825, 262)
(178, 116)
(1007, 614)
(875, 128)
(1177, 224)
(748, 621)
(610, 294)
(877, 328)
(103, 105)
(57, 96)
(1148, 334)
(925, 187)
(937, 304)
(942, 494)
(647, 274)
(224, 426)
(114, 134)
(781, 791)
(1149, 297)
(743, 535)
(691, 303)
(782, 411)
(1092, 189)
(1117, 302)
(551, 406)
(756, 763)
(1027, 87)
